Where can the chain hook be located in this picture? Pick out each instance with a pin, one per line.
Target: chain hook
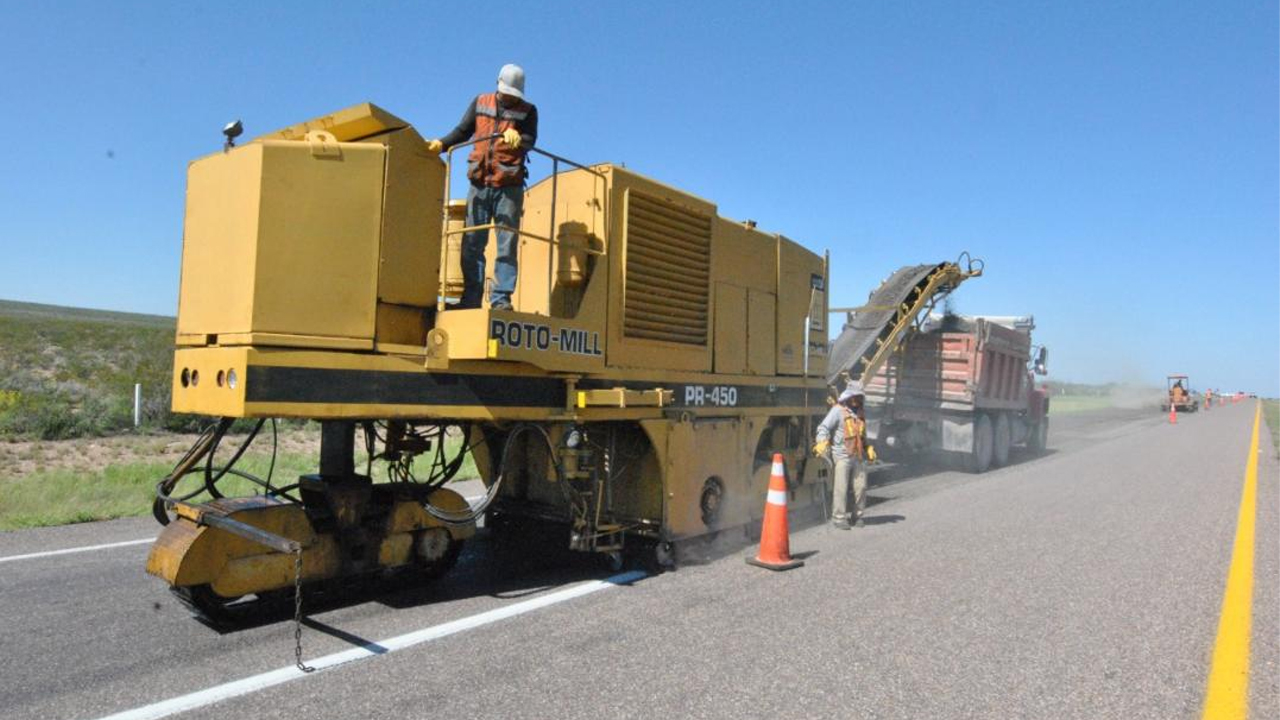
(297, 611)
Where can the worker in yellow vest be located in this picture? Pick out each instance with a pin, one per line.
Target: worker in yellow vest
(504, 127)
(843, 433)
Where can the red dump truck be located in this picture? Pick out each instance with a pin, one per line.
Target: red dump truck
(964, 386)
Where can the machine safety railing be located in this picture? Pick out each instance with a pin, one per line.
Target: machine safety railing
(550, 238)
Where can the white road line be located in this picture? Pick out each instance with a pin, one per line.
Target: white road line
(68, 551)
(271, 678)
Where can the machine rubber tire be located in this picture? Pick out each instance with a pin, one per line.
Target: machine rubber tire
(664, 555)
(204, 602)
(1002, 441)
(435, 568)
(983, 444)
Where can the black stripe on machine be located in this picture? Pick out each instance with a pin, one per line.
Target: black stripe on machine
(378, 387)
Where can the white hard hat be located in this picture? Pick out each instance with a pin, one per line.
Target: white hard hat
(511, 80)
(852, 390)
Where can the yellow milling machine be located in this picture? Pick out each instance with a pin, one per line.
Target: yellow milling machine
(656, 357)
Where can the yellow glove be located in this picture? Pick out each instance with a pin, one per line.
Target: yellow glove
(821, 448)
(511, 137)
(871, 453)
(435, 146)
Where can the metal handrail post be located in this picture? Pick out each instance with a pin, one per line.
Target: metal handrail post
(551, 231)
(491, 226)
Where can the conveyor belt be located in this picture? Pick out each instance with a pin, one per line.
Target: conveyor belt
(874, 330)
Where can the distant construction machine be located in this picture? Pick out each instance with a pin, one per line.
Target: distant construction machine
(1179, 395)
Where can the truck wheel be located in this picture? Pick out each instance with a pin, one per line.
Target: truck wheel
(1003, 439)
(983, 445)
(1039, 440)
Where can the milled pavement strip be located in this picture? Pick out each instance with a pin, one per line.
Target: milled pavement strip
(1227, 696)
(271, 678)
(68, 551)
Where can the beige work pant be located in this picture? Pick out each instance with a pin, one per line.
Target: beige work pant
(840, 492)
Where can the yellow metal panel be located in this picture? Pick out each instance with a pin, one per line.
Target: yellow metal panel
(636, 352)
(245, 573)
(293, 340)
(186, 554)
(398, 349)
(798, 270)
(196, 387)
(695, 453)
(621, 397)
(409, 271)
(282, 239)
(219, 247)
(580, 214)
(318, 240)
(731, 329)
(401, 325)
(167, 554)
(744, 257)
(573, 283)
(761, 336)
(348, 124)
(667, 282)
(550, 343)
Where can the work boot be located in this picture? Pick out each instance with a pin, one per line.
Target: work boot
(857, 520)
(840, 523)
(500, 305)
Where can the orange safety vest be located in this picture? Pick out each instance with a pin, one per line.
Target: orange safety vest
(854, 430)
(493, 162)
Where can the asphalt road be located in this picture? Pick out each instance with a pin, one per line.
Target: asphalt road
(1085, 583)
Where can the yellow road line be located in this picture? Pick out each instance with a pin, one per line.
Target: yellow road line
(1228, 693)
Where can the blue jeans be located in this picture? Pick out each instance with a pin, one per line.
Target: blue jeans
(484, 205)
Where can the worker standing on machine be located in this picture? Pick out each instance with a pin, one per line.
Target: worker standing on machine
(496, 168)
(844, 432)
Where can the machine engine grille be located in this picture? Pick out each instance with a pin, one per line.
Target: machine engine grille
(667, 287)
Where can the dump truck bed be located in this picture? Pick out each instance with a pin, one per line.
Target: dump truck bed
(963, 366)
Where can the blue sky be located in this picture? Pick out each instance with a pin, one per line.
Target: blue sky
(1117, 165)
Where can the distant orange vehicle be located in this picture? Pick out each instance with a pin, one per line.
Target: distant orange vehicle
(1180, 395)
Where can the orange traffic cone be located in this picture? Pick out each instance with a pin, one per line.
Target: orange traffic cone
(1173, 414)
(775, 544)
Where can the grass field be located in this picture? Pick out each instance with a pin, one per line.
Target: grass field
(1065, 404)
(1271, 411)
(69, 372)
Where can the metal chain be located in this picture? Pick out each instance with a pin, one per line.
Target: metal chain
(297, 611)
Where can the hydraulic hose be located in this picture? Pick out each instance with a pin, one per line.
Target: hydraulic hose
(466, 518)
(203, 449)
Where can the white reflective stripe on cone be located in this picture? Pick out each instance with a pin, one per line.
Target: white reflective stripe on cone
(778, 497)
(778, 470)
